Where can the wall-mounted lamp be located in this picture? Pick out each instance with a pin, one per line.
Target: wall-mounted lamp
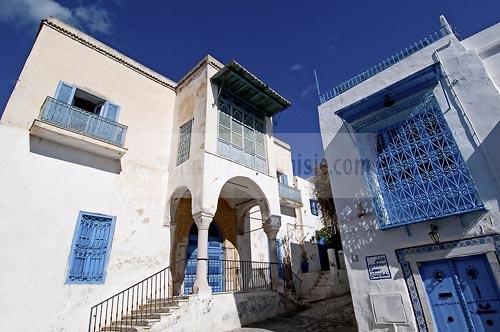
(434, 234)
(360, 209)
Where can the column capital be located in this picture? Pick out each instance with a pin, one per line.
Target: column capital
(203, 220)
(272, 226)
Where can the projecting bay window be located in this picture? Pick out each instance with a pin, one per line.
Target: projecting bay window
(241, 135)
(419, 173)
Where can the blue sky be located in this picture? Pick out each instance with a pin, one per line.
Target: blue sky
(279, 41)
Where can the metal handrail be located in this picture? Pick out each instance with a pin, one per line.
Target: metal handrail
(72, 118)
(136, 303)
(153, 295)
(384, 64)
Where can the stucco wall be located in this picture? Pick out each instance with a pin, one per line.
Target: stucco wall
(360, 234)
(48, 185)
(223, 312)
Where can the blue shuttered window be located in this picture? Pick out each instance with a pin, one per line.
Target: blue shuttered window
(184, 142)
(65, 92)
(314, 207)
(91, 248)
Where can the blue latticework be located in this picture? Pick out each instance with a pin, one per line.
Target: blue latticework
(419, 170)
(90, 249)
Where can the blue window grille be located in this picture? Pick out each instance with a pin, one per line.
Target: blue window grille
(420, 173)
(314, 207)
(90, 249)
(184, 142)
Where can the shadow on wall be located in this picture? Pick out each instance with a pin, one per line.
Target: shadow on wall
(479, 165)
(258, 306)
(56, 151)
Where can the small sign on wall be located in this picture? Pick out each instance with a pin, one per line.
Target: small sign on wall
(378, 268)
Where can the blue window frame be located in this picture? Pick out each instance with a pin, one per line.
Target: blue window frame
(314, 207)
(90, 249)
(420, 172)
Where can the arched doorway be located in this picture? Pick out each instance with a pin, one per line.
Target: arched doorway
(215, 256)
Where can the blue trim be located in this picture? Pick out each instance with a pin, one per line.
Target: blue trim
(412, 84)
(408, 274)
(74, 242)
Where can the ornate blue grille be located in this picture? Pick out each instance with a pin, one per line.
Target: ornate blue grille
(90, 248)
(420, 172)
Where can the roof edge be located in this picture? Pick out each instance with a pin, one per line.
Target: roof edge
(106, 50)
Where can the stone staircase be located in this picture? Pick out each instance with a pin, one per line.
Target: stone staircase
(322, 289)
(146, 315)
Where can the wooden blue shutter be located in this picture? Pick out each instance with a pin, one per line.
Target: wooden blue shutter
(90, 249)
(110, 111)
(65, 92)
(285, 179)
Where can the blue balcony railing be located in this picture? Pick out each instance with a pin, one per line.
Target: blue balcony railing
(74, 119)
(417, 46)
(289, 193)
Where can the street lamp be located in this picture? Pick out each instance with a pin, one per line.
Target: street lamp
(434, 234)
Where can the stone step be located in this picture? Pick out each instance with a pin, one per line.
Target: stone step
(143, 316)
(158, 310)
(130, 323)
(119, 329)
(156, 306)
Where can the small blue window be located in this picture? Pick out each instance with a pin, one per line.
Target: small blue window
(90, 249)
(314, 207)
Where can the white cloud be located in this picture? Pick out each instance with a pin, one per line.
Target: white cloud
(28, 12)
(307, 90)
(295, 67)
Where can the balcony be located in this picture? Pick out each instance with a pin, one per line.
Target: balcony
(72, 126)
(289, 196)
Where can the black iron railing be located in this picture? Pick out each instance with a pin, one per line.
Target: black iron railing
(158, 294)
(144, 300)
(235, 276)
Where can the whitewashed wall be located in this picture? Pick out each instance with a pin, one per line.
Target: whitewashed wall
(474, 85)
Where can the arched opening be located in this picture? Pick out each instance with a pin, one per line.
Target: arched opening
(215, 256)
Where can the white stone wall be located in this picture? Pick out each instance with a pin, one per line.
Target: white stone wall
(473, 83)
(46, 185)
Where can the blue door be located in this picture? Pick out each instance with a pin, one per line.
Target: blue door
(463, 294)
(215, 256)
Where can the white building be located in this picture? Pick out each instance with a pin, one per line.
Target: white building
(111, 172)
(413, 150)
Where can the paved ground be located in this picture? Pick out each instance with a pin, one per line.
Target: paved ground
(329, 315)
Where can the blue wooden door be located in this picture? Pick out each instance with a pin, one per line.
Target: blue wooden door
(463, 294)
(215, 255)
(480, 291)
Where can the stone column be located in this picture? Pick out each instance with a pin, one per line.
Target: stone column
(271, 228)
(201, 286)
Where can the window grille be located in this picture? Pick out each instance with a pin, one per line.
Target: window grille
(420, 172)
(241, 135)
(91, 248)
(184, 142)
